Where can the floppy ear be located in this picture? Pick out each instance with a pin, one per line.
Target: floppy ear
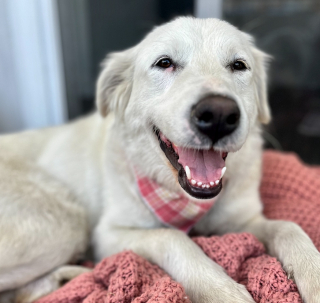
(260, 80)
(115, 83)
(261, 62)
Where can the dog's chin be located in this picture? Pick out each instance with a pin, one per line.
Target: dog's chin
(199, 189)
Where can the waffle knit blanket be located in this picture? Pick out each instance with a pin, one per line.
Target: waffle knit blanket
(290, 191)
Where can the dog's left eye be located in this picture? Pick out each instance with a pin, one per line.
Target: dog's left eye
(164, 63)
(239, 65)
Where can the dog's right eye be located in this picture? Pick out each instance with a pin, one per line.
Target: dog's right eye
(164, 63)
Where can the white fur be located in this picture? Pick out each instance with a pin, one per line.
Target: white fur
(63, 186)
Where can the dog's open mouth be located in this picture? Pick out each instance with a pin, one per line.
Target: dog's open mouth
(200, 172)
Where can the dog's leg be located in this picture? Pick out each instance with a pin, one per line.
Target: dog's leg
(179, 256)
(43, 285)
(41, 227)
(294, 249)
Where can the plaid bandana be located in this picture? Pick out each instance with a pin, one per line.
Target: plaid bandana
(172, 209)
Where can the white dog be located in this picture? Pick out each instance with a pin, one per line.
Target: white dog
(183, 109)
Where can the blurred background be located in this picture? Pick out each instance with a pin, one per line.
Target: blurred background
(50, 51)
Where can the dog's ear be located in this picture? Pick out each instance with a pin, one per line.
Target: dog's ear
(115, 83)
(261, 62)
(260, 80)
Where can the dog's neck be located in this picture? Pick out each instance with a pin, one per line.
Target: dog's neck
(171, 208)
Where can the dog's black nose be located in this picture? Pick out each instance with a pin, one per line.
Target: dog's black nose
(216, 117)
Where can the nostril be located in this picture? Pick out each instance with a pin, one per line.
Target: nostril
(205, 118)
(232, 119)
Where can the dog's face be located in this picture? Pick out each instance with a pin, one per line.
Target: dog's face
(188, 93)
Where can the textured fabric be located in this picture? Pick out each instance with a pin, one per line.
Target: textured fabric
(126, 277)
(172, 209)
(290, 191)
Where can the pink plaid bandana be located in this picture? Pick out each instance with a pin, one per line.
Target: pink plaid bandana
(172, 209)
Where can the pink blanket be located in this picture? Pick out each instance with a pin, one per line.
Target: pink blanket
(290, 191)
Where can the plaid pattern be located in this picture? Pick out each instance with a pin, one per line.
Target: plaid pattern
(174, 210)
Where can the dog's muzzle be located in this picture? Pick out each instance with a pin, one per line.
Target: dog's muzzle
(200, 171)
(215, 117)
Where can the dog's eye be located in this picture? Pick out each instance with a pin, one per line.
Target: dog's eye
(164, 63)
(238, 65)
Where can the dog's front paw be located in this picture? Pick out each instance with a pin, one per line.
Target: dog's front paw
(314, 298)
(237, 293)
(309, 288)
(310, 293)
(307, 278)
(229, 293)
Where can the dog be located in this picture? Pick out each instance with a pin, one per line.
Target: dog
(179, 118)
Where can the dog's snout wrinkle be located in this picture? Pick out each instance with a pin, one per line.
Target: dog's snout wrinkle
(215, 116)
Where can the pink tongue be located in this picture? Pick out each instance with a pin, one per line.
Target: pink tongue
(205, 165)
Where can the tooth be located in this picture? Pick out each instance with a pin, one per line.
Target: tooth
(223, 172)
(203, 186)
(188, 173)
(217, 182)
(193, 182)
(199, 183)
(207, 186)
(211, 183)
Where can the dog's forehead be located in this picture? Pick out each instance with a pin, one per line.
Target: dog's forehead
(189, 35)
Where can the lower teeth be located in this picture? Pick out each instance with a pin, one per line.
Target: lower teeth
(201, 185)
